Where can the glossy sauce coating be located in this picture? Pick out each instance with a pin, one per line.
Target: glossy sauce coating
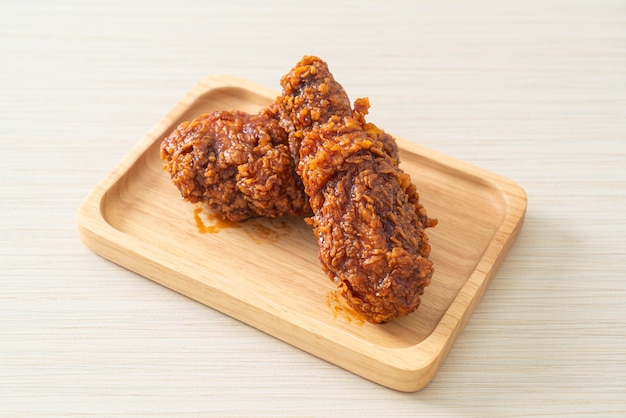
(367, 216)
(236, 163)
(310, 150)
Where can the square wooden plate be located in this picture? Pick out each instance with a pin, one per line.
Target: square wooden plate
(265, 272)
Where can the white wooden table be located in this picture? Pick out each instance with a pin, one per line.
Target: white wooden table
(534, 91)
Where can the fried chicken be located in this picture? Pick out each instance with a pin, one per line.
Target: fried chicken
(237, 163)
(311, 151)
(367, 216)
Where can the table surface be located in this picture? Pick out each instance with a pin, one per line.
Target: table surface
(534, 91)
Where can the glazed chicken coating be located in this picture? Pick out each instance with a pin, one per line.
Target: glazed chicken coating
(361, 108)
(368, 221)
(304, 105)
(367, 216)
(238, 164)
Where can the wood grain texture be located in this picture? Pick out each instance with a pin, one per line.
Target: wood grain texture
(534, 91)
(136, 218)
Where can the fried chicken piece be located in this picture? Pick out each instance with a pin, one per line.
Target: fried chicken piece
(367, 216)
(368, 221)
(237, 163)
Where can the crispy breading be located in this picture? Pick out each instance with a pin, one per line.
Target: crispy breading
(236, 163)
(367, 216)
(310, 151)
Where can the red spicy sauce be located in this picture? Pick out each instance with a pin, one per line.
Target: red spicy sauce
(217, 224)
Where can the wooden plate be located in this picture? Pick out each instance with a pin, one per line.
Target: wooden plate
(265, 272)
